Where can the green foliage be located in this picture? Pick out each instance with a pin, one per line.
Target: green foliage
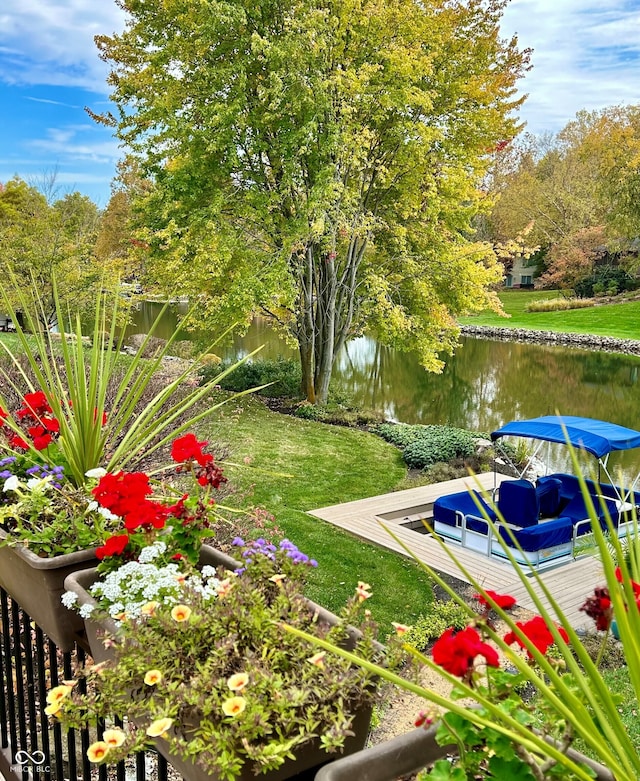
(558, 304)
(41, 239)
(281, 377)
(316, 172)
(429, 627)
(603, 279)
(423, 446)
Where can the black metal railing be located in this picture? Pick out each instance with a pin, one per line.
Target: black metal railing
(31, 745)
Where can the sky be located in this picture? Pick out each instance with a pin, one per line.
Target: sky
(586, 55)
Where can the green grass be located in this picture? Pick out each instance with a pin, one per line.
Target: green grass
(298, 465)
(619, 320)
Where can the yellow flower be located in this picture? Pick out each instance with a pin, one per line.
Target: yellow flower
(180, 613)
(400, 628)
(234, 706)
(318, 659)
(113, 737)
(277, 579)
(58, 693)
(149, 609)
(97, 751)
(152, 677)
(159, 727)
(53, 709)
(237, 682)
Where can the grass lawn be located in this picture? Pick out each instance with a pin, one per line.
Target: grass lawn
(618, 320)
(298, 465)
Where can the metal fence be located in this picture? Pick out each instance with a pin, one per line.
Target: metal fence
(31, 747)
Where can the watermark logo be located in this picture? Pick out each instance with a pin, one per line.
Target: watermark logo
(35, 762)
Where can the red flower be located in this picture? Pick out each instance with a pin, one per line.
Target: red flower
(3, 416)
(113, 546)
(537, 632)
(95, 416)
(635, 586)
(122, 492)
(41, 438)
(457, 652)
(145, 514)
(35, 405)
(599, 608)
(503, 601)
(187, 448)
(16, 441)
(211, 474)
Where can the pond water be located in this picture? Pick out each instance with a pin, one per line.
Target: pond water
(486, 384)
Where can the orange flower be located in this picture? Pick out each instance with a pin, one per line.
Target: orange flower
(113, 737)
(400, 628)
(237, 682)
(159, 727)
(152, 677)
(278, 579)
(149, 609)
(180, 613)
(234, 706)
(97, 751)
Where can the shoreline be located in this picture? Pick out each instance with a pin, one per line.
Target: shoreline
(607, 344)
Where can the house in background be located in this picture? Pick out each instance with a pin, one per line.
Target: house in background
(521, 275)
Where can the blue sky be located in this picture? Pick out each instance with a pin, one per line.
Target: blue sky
(586, 55)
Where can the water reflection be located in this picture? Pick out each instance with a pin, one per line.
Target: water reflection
(485, 385)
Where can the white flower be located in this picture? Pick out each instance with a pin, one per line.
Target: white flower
(11, 484)
(96, 472)
(41, 484)
(86, 611)
(107, 514)
(69, 598)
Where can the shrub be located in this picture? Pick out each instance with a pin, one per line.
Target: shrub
(558, 304)
(282, 376)
(308, 411)
(603, 279)
(428, 628)
(424, 446)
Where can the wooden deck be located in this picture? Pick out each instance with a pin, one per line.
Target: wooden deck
(568, 584)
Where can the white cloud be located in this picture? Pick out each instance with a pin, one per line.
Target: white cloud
(52, 43)
(75, 142)
(586, 56)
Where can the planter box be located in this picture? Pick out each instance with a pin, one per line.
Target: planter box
(37, 584)
(408, 754)
(309, 758)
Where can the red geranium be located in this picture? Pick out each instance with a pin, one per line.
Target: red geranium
(537, 632)
(187, 448)
(113, 546)
(35, 405)
(456, 651)
(504, 601)
(146, 515)
(635, 586)
(122, 492)
(599, 608)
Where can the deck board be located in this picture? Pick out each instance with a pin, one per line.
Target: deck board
(569, 584)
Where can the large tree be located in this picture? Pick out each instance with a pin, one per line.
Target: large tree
(318, 160)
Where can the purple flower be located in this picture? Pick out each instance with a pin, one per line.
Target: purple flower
(237, 541)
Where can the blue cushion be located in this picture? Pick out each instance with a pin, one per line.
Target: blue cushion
(545, 535)
(518, 503)
(444, 509)
(548, 492)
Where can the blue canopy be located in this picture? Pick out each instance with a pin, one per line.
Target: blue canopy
(595, 436)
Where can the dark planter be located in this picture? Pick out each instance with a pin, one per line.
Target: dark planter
(309, 758)
(408, 754)
(37, 584)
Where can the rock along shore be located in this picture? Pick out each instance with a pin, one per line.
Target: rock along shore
(583, 341)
